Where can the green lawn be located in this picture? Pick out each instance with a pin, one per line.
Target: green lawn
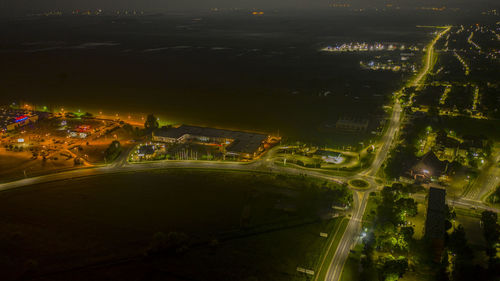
(418, 222)
(370, 211)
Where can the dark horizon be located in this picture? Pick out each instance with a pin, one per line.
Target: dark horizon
(26, 7)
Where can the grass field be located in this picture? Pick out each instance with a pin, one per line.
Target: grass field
(418, 222)
(259, 226)
(352, 266)
(370, 211)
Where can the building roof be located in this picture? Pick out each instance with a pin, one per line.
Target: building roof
(430, 164)
(243, 142)
(147, 149)
(434, 222)
(345, 121)
(473, 141)
(447, 141)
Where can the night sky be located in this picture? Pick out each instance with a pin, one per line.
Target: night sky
(9, 6)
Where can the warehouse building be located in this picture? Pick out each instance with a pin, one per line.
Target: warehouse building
(235, 143)
(435, 220)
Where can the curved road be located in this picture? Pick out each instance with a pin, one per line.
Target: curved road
(122, 166)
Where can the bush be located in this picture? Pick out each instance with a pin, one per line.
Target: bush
(113, 151)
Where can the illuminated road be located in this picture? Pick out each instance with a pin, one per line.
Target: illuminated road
(122, 166)
(460, 202)
(349, 238)
(429, 58)
(387, 141)
(353, 228)
(488, 180)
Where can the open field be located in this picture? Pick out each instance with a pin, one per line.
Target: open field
(259, 224)
(227, 70)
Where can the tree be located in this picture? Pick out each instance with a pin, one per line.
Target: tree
(491, 232)
(151, 123)
(401, 160)
(495, 197)
(462, 253)
(458, 241)
(449, 212)
(87, 115)
(407, 206)
(128, 128)
(369, 241)
(393, 269)
(113, 151)
(407, 232)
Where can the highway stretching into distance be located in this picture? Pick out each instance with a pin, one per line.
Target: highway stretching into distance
(265, 164)
(352, 231)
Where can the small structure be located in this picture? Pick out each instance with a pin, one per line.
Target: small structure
(428, 166)
(435, 220)
(352, 124)
(330, 156)
(446, 147)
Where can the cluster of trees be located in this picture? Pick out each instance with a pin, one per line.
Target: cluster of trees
(133, 131)
(391, 233)
(457, 260)
(151, 123)
(491, 233)
(316, 164)
(400, 160)
(113, 151)
(319, 196)
(11, 147)
(340, 194)
(495, 196)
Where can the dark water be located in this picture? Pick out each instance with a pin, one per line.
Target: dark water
(241, 71)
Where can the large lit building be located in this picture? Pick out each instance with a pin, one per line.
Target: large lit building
(10, 119)
(235, 143)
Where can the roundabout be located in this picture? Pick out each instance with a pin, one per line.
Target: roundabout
(359, 184)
